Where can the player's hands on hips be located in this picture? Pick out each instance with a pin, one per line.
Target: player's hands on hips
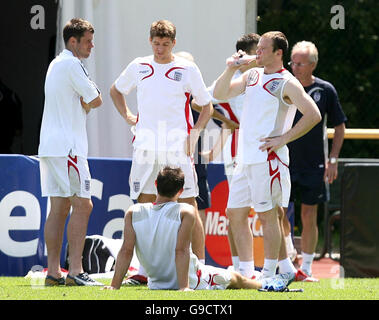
(131, 119)
(272, 144)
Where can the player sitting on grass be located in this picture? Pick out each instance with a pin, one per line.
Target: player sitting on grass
(161, 234)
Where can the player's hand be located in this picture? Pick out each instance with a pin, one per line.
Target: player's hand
(331, 172)
(272, 144)
(108, 288)
(230, 62)
(85, 106)
(191, 142)
(131, 119)
(231, 125)
(207, 155)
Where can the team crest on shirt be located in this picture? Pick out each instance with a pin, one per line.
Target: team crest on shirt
(316, 96)
(175, 73)
(252, 79)
(136, 186)
(272, 85)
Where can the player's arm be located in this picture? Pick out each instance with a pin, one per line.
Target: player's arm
(331, 170)
(182, 250)
(97, 102)
(294, 91)
(125, 254)
(204, 116)
(121, 106)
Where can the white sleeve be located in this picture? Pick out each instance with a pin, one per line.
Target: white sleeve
(197, 87)
(82, 84)
(126, 80)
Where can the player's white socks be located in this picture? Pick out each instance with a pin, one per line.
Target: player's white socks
(269, 267)
(306, 265)
(236, 263)
(202, 261)
(286, 266)
(246, 268)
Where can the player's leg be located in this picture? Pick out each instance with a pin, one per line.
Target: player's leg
(271, 240)
(238, 209)
(309, 236)
(233, 250)
(53, 233)
(243, 238)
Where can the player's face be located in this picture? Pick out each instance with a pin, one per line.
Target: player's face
(84, 46)
(265, 54)
(162, 49)
(301, 67)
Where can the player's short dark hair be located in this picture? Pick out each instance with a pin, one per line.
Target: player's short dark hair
(279, 41)
(76, 28)
(169, 181)
(247, 42)
(163, 29)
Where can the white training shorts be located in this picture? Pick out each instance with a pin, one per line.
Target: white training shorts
(146, 165)
(65, 177)
(261, 186)
(212, 278)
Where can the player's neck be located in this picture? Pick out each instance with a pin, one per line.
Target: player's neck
(164, 60)
(273, 67)
(161, 200)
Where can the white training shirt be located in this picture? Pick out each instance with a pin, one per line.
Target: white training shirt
(163, 99)
(264, 114)
(156, 227)
(63, 128)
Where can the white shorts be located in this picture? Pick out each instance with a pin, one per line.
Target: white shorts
(212, 278)
(147, 164)
(261, 186)
(65, 177)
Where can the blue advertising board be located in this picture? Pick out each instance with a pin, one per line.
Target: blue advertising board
(23, 210)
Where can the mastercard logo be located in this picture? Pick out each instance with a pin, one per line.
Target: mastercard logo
(216, 229)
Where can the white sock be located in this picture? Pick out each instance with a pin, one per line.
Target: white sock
(246, 268)
(306, 265)
(202, 261)
(269, 267)
(286, 266)
(236, 263)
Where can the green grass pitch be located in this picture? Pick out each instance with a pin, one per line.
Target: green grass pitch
(18, 288)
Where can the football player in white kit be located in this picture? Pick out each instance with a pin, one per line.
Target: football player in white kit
(160, 233)
(63, 148)
(164, 128)
(262, 178)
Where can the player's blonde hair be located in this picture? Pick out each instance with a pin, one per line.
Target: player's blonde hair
(163, 29)
(310, 47)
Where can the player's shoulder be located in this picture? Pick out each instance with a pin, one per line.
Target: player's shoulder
(324, 84)
(141, 60)
(187, 208)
